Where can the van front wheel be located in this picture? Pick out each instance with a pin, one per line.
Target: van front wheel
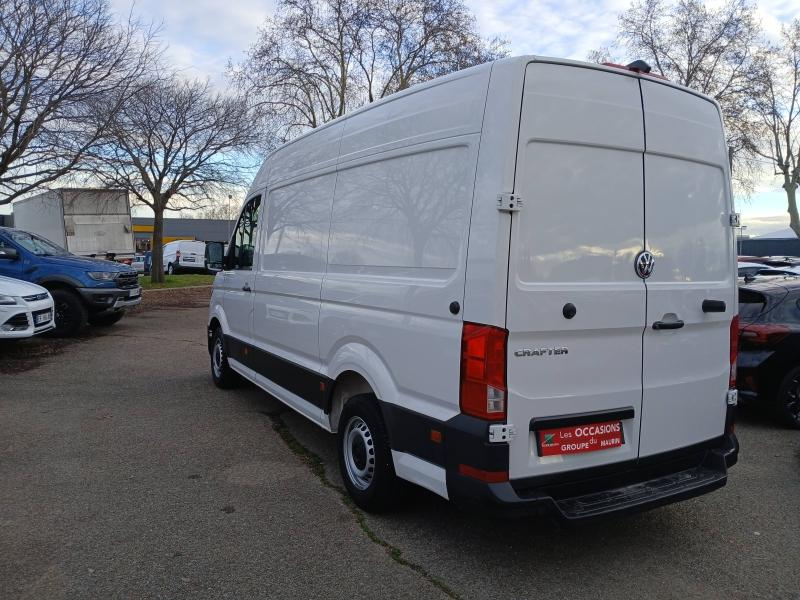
(224, 377)
(365, 458)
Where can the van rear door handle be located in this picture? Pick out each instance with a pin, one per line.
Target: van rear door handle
(713, 306)
(246, 287)
(668, 324)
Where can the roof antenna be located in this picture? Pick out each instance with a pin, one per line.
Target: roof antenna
(639, 66)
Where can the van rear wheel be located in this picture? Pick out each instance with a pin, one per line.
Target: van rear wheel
(170, 269)
(365, 458)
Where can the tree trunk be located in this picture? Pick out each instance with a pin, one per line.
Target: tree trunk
(157, 251)
(791, 196)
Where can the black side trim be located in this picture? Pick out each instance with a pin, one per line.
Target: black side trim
(581, 418)
(410, 432)
(307, 384)
(465, 439)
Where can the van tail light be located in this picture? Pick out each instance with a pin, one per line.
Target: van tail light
(763, 335)
(483, 371)
(734, 343)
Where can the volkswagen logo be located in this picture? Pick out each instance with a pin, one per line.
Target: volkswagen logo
(644, 263)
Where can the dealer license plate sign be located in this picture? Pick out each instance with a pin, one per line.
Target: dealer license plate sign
(42, 318)
(577, 439)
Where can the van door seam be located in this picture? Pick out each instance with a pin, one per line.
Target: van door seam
(644, 281)
(474, 184)
(324, 278)
(513, 190)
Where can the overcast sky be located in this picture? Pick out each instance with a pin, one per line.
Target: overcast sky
(204, 34)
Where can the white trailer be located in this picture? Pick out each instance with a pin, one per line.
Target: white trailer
(87, 222)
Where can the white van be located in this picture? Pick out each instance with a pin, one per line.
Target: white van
(181, 256)
(514, 286)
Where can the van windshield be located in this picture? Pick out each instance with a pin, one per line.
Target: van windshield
(37, 245)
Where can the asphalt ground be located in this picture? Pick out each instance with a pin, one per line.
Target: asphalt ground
(124, 473)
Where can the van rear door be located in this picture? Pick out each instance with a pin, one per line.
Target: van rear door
(573, 247)
(687, 229)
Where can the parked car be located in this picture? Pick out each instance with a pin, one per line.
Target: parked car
(769, 346)
(182, 256)
(749, 269)
(138, 264)
(477, 323)
(26, 309)
(83, 289)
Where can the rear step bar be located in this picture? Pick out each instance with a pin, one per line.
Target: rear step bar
(656, 492)
(580, 497)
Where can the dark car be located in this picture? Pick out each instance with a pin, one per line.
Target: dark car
(769, 346)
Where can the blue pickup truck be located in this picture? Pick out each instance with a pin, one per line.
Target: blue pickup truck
(83, 289)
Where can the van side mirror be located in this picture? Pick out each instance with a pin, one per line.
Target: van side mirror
(9, 254)
(215, 256)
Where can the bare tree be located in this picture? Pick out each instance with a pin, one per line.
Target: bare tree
(175, 145)
(712, 50)
(224, 206)
(778, 107)
(316, 59)
(408, 41)
(62, 64)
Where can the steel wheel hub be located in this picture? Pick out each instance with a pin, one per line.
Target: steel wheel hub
(217, 357)
(359, 453)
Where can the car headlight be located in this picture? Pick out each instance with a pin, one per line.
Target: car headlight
(7, 300)
(102, 275)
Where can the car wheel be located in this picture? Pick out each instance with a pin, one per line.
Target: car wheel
(787, 401)
(106, 320)
(224, 377)
(365, 458)
(70, 313)
(170, 269)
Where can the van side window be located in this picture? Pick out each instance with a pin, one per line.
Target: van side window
(240, 253)
(296, 225)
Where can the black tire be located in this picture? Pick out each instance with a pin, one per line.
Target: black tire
(170, 269)
(365, 458)
(224, 377)
(787, 399)
(70, 313)
(107, 319)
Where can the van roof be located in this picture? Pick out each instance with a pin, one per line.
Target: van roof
(514, 62)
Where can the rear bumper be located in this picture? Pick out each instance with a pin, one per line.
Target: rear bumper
(626, 488)
(572, 496)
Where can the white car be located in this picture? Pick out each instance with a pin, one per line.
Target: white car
(26, 309)
(514, 286)
(182, 256)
